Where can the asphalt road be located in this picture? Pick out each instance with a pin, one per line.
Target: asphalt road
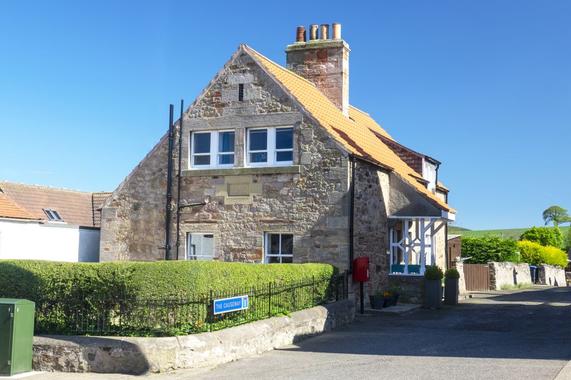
(506, 335)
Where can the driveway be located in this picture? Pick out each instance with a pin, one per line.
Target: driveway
(503, 335)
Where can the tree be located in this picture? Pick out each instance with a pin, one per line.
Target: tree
(544, 235)
(556, 215)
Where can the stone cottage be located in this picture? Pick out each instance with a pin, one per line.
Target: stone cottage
(272, 164)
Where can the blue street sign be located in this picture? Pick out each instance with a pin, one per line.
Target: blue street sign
(226, 305)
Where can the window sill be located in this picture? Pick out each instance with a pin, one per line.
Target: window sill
(292, 169)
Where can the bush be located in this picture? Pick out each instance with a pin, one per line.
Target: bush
(546, 236)
(452, 273)
(433, 272)
(482, 250)
(530, 252)
(69, 293)
(536, 254)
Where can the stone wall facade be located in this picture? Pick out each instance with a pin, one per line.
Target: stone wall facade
(372, 187)
(505, 274)
(308, 199)
(238, 206)
(552, 275)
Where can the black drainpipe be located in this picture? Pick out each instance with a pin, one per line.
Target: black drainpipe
(180, 124)
(169, 186)
(351, 212)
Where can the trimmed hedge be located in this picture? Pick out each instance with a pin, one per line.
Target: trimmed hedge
(536, 254)
(482, 250)
(546, 236)
(67, 292)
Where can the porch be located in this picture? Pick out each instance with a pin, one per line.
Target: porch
(412, 243)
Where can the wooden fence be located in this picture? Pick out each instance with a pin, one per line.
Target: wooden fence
(477, 277)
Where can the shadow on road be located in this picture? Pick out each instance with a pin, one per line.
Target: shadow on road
(509, 325)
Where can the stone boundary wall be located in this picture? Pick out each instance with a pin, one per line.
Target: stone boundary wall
(459, 265)
(412, 287)
(508, 274)
(134, 355)
(552, 275)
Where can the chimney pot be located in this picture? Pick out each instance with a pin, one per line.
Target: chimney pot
(300, 34)
(313, 31)
(324, 31)
(336, 31)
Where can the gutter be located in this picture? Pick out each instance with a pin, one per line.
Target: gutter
(180, 123)
(169, 185)
(351, 212)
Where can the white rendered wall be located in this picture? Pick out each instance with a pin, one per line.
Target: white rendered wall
(49, 241)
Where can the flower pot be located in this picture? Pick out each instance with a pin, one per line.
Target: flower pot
(376, 302)
(451, 291)
(432, 294)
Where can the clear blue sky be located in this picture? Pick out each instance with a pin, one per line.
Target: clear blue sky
(483, 86)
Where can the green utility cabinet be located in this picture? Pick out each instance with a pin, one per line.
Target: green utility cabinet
(16, 336)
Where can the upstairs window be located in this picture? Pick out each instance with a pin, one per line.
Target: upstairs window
(270, 146)
(212, 149)
(53, 215)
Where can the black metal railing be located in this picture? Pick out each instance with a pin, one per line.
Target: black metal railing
(185, 314)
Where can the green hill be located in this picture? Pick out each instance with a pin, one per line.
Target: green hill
(510, 233)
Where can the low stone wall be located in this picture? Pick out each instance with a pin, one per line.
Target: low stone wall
(141, 355)
(508, 274)
(412, 287)
(552, 275)
(462, 280)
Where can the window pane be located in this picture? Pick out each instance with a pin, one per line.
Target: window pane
(273, 260)
(202, 143)
(274, 244)
(284, 156)
(258, 157)
(287, 260)
(284, 138)
(226, 142)
(287, 244)
(226, 159)
(259, 139)
(201, 160)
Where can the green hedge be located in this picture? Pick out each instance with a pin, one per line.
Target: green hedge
(71, 296)
(482, 250)
(546, 236)
(536, 254)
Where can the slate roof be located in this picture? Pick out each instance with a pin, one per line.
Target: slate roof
(29, 201)
(355, 133)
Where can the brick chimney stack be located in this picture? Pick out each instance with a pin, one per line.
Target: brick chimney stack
(323, 61)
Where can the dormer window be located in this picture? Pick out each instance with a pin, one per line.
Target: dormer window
(53, 215)
(270, 146)
(212, 149)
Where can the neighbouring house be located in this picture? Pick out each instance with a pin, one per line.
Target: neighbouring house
(272, 164)
(45, 223)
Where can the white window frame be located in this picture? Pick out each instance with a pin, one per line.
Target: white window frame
(187, 253)
(214, 153)
(280, 255)
(270, 150)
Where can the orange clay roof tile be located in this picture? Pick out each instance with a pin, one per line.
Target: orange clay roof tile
(9, 209)
(354, 133)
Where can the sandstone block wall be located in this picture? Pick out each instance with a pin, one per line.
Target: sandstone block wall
(141, 355)
(552, 275)
(504, 274)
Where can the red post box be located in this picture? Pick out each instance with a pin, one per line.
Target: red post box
(361, 269)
